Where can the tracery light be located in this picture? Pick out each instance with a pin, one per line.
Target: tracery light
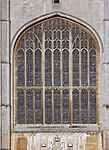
(56, 71)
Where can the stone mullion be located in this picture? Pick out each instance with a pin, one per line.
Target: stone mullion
(52, 80)
(88, 82)
(43, 75)
(25, 89)
(34, 87)
(70, 76)
(80, 89)
(61, 75)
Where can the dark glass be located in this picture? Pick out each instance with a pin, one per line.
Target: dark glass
(31, 44)
(75, 70)
(65, 68)
(92, 106)
(63, 24)
(84, 68)
(29, 68)
(20, 107)
(55, 35)
(36, 42)
(20, 68)
(54, 24)
(50, 35)
(27, 44)
(84, 107)
(63, 35)
(92, 70)
(38, 68)
(31, 35)
(65, 107)
(48, 68)
(48, 107)
(22, 42)
(29, 107)
(76, 113)
(57, 79)
(38, 107)
(57, 112)
(54, 44)
(67, 35)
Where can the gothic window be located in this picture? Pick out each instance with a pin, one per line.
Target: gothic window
(56, 74)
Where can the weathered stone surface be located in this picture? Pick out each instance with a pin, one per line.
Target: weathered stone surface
(5, 41)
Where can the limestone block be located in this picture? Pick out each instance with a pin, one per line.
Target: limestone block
(5, 84)
(106, 40)
(0, 106)
(5, 41)
(0, 39)
(106, 9)
(91, 11)
(0, 9)
(5, 9)
(5, 127)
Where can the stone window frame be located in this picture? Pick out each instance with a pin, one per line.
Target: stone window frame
(97, 74)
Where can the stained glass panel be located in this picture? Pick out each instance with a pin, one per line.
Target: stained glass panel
(75, 70)
(84, 68)
(29, 107)
(92, 57)
(92, 106)
(38, 68)
(76, 112)
(65, 68)
(65, 105)
(48, 107)
(38, 107)
(57, 80)
(20, 68)
(20, 107)
(48, 68)
(57, 112)
(43, 67)
(84, 107)
(29, 68)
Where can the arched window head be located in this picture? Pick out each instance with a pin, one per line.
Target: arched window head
(56, 74)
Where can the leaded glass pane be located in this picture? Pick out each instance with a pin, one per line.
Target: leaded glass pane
(48, 107)
(20, 107)
(38, 68)
(92, 60)
(29, 68)
(75, 36)
(27, 44)
(57, 112)
(22, 42)
(38, 107)
(84, 68)
(92, 106)
(43, 67)
(48, 68)
(84, 107)
(65, 68)
(57, 80)
(31, 44)
(65, 107)
(29, 107)
(76, 112)
(20, 68)
(75, 65)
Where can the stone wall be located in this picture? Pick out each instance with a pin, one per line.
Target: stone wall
(16, 13)
(56, 141)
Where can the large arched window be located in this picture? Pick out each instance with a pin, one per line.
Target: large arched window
(56, 74)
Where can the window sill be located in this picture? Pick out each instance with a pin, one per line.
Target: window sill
(57, 128)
